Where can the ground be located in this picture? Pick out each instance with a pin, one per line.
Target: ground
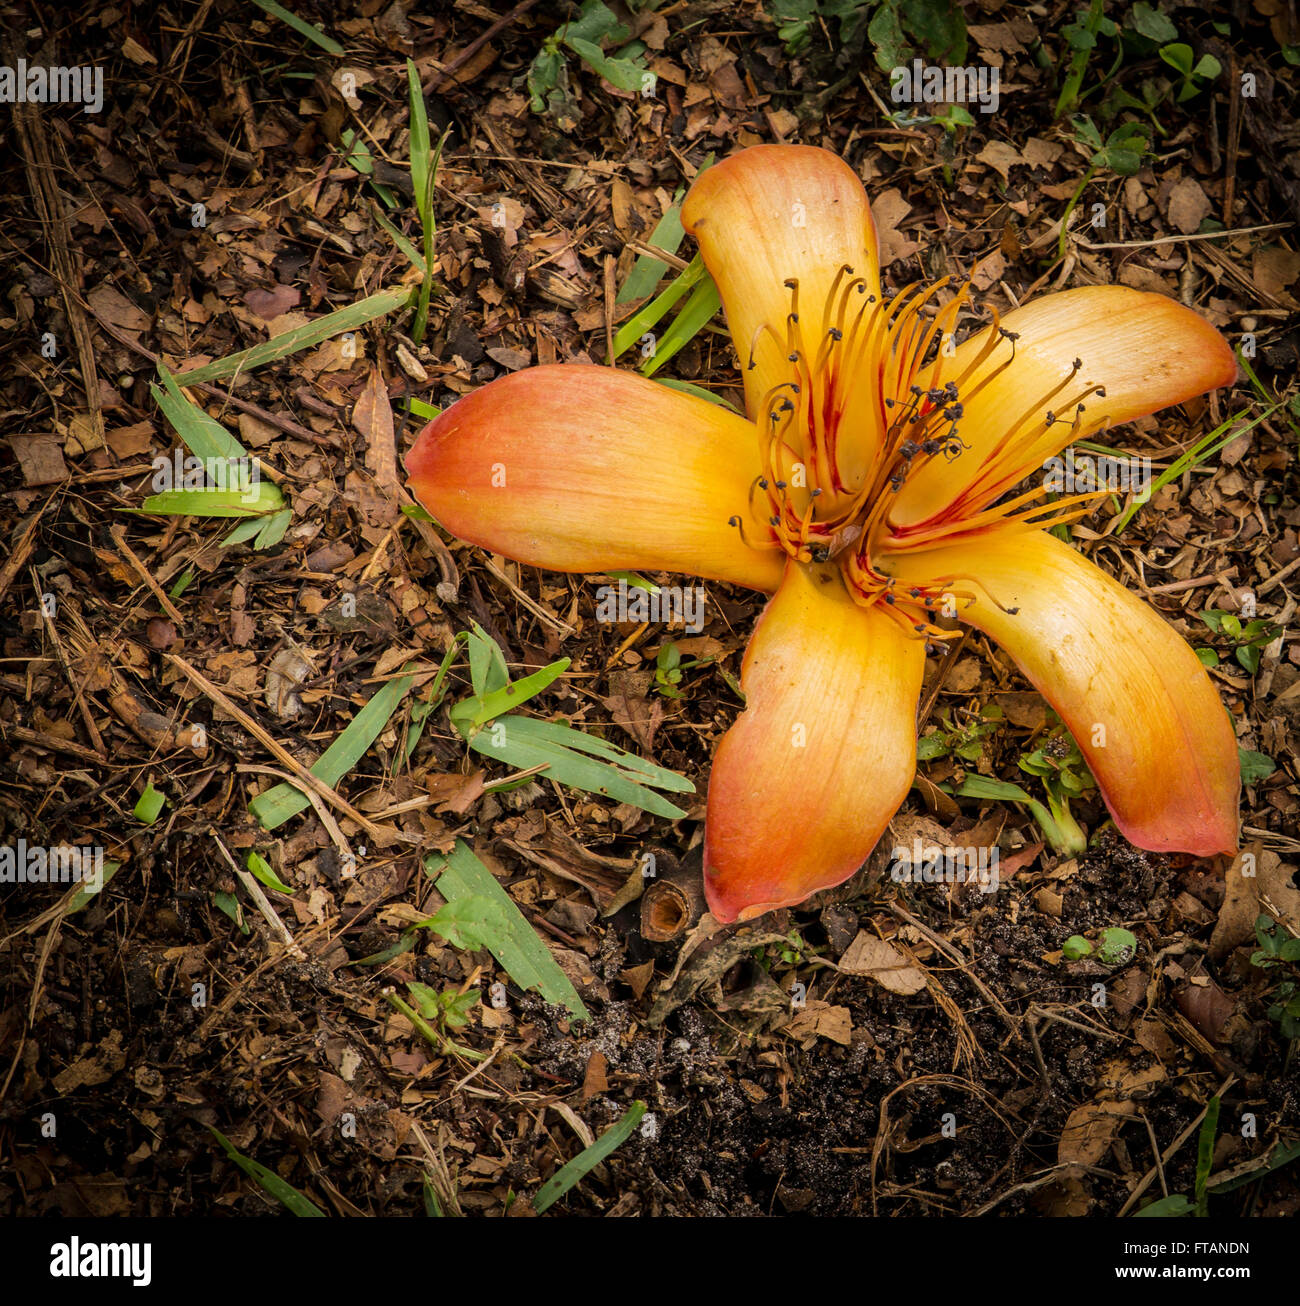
(220, 197)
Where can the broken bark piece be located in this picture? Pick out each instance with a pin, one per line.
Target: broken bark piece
(673, 901)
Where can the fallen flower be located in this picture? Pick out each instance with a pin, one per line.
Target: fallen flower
(868, 494)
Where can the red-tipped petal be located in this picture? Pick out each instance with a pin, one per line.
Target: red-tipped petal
(581, 468)
(768, 214)
(805, 782)
(1147, 350)
(1138, 702)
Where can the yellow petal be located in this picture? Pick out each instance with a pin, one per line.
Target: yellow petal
(805, 782)
(1146, 350)
(769, 214)
(1140, 705)
(580, 468)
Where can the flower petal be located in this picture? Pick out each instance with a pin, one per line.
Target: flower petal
(768, 214)
(1147, 350)
(809, 776)
(582, 468)
(1138, 702)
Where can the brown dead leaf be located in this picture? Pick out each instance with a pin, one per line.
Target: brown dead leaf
(270, 303)
(818, 1019)
(373, 417)
(40, 457)
(882, 962)
(1188, 205)
(889, 209)
(1244, 891)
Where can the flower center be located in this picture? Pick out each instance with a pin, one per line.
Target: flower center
(859, 414)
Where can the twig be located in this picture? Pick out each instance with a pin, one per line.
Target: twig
(953, 955)
(1182, 240)
(1145, 1182)
(118, 532)
(435, 82)
(91, 729)
(302, 775)
(278, 927)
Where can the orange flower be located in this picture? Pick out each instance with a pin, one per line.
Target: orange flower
(868, 493)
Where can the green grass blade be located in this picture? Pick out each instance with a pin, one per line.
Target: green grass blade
(282, 801)
(268, 1180)
(421, 145)
(263, 871)
(487, 664)
(524, 742)
(1202, 451)
(577, 1169)
(474, 713)
(1205, 1154)
(427, 411)
(303, 28)
(84, 895)
(648, 271)
(214, 503)
(526, 959)
(690, 388)
(272, 532)
(652, 313)
(350, 318)
(413, 255)
(697, 312)
(203, 436)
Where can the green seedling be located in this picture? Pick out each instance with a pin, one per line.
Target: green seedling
(669, 669)
(1059, 765)
(965, 742)
(1076, 948)
(1121, 152)
(433, 1014)
(1249, 639)
(600, 40)
(1115, 947)
(1280, 951)
(1196, 73)
(1081, 36)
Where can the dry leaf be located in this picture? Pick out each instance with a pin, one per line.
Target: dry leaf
(882, 962)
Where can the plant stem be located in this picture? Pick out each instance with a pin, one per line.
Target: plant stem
(1069, 208)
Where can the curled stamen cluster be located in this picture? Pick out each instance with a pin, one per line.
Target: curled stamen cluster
(877, 370)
